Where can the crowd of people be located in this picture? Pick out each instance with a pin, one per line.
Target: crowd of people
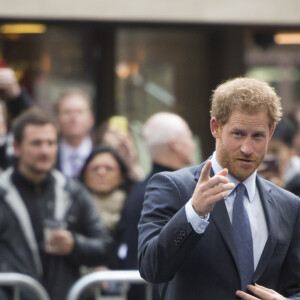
(72, 196)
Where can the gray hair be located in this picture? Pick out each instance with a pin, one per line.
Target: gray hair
(160, 129)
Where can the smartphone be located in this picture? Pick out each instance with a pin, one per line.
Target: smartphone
(118, 123)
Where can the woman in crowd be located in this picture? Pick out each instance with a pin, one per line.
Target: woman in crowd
(106, 176)
(116, 133)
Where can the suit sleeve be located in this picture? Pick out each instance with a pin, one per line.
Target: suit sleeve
(165, 236)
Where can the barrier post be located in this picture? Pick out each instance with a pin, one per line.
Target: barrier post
(16, 280)
(113, 276)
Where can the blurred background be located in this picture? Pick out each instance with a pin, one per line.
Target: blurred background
(139, 57)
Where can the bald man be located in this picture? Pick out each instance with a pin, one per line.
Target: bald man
(169, 141)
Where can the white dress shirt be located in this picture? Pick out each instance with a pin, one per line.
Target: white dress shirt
(72, 159)
(252, 204)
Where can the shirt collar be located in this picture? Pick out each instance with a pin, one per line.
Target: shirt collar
(250, 182)
(83, 150)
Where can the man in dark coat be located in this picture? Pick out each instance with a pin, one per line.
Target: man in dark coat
(75, 119)
(164, 135)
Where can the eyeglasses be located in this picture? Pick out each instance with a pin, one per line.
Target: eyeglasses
(107, 168)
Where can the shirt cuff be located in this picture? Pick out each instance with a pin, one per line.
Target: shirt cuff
(198, 224)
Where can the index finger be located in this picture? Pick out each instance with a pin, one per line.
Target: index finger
(265, 289)
(205, 172)
(261, 291)
(257, 290)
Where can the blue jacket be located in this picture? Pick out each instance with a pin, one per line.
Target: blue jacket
(194, 266)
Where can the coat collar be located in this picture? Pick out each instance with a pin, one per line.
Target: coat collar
(14, 200)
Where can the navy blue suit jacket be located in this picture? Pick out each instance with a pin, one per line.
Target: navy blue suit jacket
(192, 266)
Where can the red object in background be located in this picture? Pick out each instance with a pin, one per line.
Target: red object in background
(3, 64)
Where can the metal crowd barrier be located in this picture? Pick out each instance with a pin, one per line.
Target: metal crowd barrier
(17, 280)
(124, 277)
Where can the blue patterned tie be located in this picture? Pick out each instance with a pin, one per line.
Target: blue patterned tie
(242, 237)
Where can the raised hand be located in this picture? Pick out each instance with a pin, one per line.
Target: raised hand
(210, 190)
(9, 86)
(61, 242)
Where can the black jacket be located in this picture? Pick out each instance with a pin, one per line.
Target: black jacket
(130, 219)
(131, 216)
(20, 251)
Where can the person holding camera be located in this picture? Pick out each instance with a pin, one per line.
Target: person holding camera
(281, 165)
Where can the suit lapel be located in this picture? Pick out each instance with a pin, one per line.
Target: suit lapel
(270, 214)
(220, 217)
